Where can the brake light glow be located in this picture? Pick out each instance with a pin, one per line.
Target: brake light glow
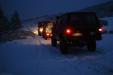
(68, 31)
(47, 34)
(101, 29)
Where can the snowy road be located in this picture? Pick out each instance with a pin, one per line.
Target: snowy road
(36, 56)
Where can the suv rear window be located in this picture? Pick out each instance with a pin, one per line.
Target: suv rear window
(84, 19)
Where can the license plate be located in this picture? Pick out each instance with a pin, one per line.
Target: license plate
(77, 34)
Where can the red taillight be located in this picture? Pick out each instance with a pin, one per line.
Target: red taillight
(68, 31)
(101, 29)
(47, 34)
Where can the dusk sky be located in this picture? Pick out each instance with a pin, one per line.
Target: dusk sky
(34, 8)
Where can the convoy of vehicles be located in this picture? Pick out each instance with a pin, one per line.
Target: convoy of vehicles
(45, 29)
(72, 29)
(76, 29)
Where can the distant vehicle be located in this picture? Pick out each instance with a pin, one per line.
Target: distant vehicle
(45, 29)
(40, 28)
(76, 29)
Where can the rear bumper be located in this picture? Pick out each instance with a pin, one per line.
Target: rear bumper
(84, 37)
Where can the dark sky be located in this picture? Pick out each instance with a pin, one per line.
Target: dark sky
(33, 8)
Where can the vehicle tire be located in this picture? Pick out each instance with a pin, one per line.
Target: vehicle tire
(63, 47)
(53, 42)
(91, 45)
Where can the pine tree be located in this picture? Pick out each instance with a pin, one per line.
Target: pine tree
(15, 21)
(3, 21)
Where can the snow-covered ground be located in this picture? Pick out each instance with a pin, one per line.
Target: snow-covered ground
(36, 56)
(110, 24)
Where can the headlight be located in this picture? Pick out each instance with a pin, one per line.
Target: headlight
(35, 32)
(41, 30)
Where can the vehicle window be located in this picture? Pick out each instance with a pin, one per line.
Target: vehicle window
(83, 19)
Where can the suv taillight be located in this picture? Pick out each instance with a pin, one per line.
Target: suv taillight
(68, 31)
(101, 29)
(47, 34)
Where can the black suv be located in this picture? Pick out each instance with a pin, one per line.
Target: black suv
(76, 29)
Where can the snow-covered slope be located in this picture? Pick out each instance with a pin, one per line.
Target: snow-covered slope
(36, 56)
(110, 24)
